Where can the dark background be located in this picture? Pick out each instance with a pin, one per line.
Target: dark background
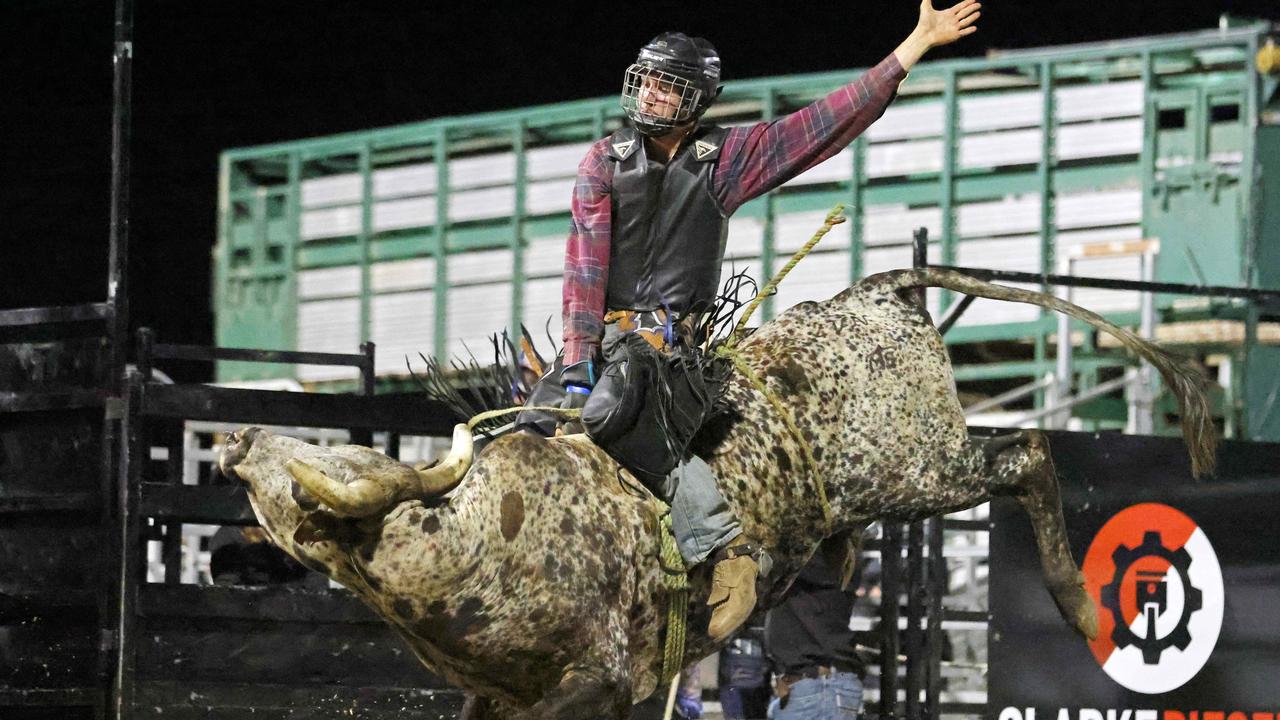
(216, 74)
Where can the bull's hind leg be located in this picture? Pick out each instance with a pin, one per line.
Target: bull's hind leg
(1021, 466)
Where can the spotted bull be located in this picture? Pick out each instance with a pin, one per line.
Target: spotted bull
(531, 579)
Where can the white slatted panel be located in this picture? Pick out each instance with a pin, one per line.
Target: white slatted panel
(1014, 253)
(480, 266)
(548, 196)
(817, 277)
(482, 204)
(837, 168)
(904, 158)
(746, 237)
(994, 149)
(1014, 214)
(328, 326)
(1010, 147)
(413, 274)
(482, 170)
(883, 224)
(1099, 208)
(544, 256)
(402, 324)
(331, 190)
(474, 314)
(902, 121)
(1096, 101)
(793, 230)
(878, 260)
(542, 302)
(328, 282)
(556, 161)
(330, 222)
(419, 179)
(1127, 268)
(1099, 139)
(1115, 268)
(405, 213)
(1016, 109)
(1001, 111)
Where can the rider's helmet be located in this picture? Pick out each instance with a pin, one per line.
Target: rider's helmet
(672, 82)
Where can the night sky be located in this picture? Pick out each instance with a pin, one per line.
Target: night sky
(216, 74)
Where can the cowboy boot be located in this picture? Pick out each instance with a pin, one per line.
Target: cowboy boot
(733, 587)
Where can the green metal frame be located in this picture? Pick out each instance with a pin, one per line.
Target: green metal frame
(1210, 62)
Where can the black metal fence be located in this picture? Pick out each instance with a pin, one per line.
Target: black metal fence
(83, 633)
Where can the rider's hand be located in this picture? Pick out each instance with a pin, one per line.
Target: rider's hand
(574, 399)
(577, 379)
(937, 27)
(943, 27)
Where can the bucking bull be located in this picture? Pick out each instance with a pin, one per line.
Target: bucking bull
(531, 577)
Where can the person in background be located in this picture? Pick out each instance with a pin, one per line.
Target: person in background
(812, 650)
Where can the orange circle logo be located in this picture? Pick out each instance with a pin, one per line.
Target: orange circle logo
(1157, 584)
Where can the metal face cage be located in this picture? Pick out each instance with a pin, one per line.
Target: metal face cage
(658, 99)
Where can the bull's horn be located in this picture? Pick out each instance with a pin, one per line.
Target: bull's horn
(361, 498)
(441, 478)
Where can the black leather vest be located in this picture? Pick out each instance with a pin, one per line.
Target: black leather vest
(668, 228)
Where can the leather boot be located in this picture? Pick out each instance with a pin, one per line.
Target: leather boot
(733, 587)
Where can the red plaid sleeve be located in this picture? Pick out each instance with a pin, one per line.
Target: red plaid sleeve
(586, 258)
(758, 158)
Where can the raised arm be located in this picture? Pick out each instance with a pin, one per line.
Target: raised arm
(759, 158)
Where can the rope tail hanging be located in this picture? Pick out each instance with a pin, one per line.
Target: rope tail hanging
(676, 581)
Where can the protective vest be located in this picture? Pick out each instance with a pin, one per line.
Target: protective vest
(668, 228)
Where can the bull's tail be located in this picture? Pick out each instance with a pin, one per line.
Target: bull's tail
(1185, 381)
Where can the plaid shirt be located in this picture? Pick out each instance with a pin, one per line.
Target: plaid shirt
(753, 160)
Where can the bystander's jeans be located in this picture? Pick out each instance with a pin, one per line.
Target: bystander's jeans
(838, 697)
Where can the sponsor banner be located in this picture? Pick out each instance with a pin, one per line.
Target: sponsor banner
(1184, 575)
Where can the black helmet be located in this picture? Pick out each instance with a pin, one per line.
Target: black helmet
(686, 68)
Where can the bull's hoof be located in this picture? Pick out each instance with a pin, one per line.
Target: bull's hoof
(1077, 607)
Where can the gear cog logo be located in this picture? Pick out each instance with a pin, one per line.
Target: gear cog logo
(1158, 587)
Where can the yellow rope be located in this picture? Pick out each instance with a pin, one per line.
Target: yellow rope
(835, 217)
(728, 350)
(676, 580)
(490, 414)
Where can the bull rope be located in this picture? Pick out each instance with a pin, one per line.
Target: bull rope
(675, 579)
(490, 414)
(728, 349)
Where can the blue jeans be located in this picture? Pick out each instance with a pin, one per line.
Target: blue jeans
(838, 697)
